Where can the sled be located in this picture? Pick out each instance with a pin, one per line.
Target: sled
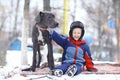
(103, 68)
(43, 71)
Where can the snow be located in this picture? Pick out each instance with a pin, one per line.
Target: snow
(12, 70)
(65, 77)
(13, 58)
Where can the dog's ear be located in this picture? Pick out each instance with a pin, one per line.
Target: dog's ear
(38, 18)
(41, 13)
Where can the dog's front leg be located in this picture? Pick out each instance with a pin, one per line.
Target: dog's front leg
(50, 57)
(35, 47)
(39, 56)
(47, 40)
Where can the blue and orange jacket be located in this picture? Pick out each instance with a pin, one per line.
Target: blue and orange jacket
(74, 51)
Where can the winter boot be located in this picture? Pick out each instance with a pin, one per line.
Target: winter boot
(57, 72)
(71, 70)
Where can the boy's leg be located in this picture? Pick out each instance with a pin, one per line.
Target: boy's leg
(60, 70)
(79, 69)
(74, 69)
(71, 71)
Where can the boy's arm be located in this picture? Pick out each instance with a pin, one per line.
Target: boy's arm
(59, 39)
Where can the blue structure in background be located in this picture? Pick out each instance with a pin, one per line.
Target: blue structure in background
(15, 45)
(111, 24)
(88, 39)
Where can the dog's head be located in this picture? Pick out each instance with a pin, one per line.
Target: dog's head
(46, 19)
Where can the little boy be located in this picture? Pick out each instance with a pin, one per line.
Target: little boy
(76, 52)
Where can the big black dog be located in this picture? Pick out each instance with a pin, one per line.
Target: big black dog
(42, 37)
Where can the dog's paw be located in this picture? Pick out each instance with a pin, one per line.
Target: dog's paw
(44, 65)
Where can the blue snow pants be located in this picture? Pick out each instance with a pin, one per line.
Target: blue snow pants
(64, 67)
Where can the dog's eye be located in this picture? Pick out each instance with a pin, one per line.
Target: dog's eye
(53, 16)
(49, 17)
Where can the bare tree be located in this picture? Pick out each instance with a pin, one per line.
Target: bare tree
(46, 5)
(116, 7)
(99, 13)
(2, 17)
(15, 24)
(25, 32)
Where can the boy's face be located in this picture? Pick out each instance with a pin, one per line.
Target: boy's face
(76, 33)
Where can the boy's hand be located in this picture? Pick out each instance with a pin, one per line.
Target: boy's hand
(49, 29)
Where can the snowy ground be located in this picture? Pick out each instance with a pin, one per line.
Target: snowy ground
(64, 77)
(17, 76)
(12, 71)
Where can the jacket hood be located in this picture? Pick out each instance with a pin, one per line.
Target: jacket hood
(76, 24)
